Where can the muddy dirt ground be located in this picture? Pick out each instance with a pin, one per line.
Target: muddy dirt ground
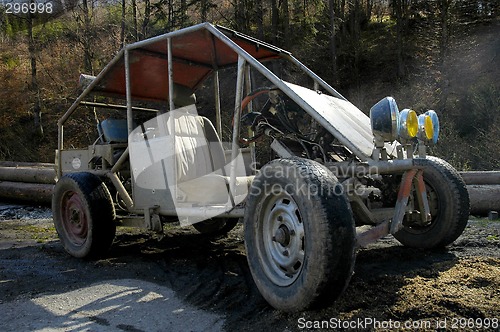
(454, 287)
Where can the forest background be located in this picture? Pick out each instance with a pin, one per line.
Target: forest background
(436, 54)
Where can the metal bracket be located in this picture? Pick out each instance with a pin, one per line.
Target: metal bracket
(413, 176)
(403, 196)
(423, 202)
(410, 177)
(152, 219)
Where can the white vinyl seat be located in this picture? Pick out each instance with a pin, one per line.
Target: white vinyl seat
(202, 174)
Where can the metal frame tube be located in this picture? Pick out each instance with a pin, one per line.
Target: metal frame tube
(248, 83)
(128, 93)
(121, 190)
(236, 122)
(358, 169)
(172, 34)
(113, 106)
(218, 117)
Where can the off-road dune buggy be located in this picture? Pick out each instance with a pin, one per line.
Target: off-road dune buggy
(329, 167)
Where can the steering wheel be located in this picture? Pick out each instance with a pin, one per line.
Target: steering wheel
(254, 115)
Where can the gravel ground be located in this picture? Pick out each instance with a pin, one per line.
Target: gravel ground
(190, 282)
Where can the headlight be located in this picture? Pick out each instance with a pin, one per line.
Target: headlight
(435, 125)
(408, 124)
(384, 118)
(425, 128)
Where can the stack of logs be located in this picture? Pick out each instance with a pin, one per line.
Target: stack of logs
(484, 191)
(27, 182)
(34, 182)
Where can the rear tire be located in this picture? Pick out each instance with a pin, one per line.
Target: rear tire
(83, 215)
(449, 205)
(299, 234)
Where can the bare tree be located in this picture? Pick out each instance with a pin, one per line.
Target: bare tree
(285, 10)
(134, 20)
(259, 13)
(122, 30)
(87, 37)
(333, 46)
(401, 9)
(444, 13)
(274, 21)
(33, 86)
(204, 7)
(146, 20)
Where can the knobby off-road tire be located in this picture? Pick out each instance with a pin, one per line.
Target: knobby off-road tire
(216, 226)
(449, 205)
(299, 234)
(83, 215)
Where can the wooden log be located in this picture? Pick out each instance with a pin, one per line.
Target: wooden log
(25, 164)
(26, 192)
(484, 198)
(486, 177)
(28, 174)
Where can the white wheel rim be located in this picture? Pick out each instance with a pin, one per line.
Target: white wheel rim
(281, 239)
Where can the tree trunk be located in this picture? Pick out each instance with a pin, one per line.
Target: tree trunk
(260, 19)
(286, 23)
(122, 30)
(170, 15)
(369, 9)
(484, 198)
(400, 30)
(28, 174)
(356, 30)
(481, 177)
(87, 39)
(333, 46)
(443, 47)
(26, 192)
(204, 10)
(183, 14)
(147, 17)
(444, 6)
(274, 21)
(33, 87)
(134, 18)
(240, 16)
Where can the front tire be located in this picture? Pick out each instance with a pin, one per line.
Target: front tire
(83, 215)
(449, 205)
(299, 234)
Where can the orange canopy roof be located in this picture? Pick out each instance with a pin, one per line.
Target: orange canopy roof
(196, 53)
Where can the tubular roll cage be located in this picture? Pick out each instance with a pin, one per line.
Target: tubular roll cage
(378, 163)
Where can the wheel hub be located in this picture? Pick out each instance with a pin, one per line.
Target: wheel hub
(75, 216)
(282, 235)
(74, 219)
(282, 240)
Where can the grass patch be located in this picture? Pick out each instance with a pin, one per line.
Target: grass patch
(39, 233)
